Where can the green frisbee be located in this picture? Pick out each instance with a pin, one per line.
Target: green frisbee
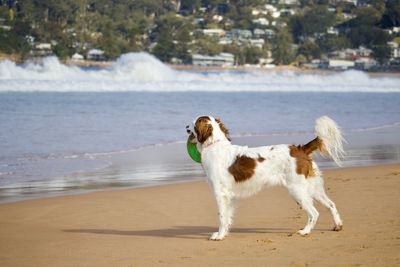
(193, 152)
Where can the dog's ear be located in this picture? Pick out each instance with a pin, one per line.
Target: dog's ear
(223, 128)
(203, 129)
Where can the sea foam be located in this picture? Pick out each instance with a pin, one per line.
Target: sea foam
(143, 72)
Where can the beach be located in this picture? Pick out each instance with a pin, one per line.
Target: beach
(169, 226)
(94, 169)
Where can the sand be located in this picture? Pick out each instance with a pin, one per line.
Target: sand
(170, 225)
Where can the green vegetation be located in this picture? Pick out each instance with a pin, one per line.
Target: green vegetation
(172, 29)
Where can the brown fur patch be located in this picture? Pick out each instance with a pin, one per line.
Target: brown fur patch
(303, 161)
(243, 168)
(303, 158)
(203, 129)
(315, 144)
(223, 128)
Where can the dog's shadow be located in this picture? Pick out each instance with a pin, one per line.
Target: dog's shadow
(187, 232)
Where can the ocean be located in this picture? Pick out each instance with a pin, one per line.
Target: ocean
(66, 129)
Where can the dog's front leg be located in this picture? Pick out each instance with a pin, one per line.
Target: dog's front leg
(225, 212)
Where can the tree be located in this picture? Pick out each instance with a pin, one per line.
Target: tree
(382, 53)
(207, 45)
(14, 42)
(310, 50)
(315, 20)
(183, 39)
(330, 42)
(109, 41)
(252, 55)
(364, 29)
(282, 51)
(392, 12)
(165, 48)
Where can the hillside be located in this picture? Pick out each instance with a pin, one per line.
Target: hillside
(254, 31)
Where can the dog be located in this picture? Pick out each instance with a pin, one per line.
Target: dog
(235, 172)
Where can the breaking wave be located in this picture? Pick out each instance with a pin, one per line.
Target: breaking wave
(143, 72)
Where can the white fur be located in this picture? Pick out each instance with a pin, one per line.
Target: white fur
(278, 168)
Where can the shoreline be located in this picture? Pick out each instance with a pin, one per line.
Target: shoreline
(169, 163)
(170, 225)
(182, 67)
(280, 68)
(55, 196)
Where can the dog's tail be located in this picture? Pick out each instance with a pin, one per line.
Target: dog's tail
(329, 140)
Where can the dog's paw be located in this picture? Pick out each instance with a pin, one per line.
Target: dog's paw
(338, 228)
(302, 232)
(216, 236)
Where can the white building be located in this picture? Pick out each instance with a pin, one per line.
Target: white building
(221, 60)
(261, 21)
(395, 49)
(43, 46)
(95, 54)
(213, 32)
(337, 64)
(257, 42)
(77, 57)
(289, 2)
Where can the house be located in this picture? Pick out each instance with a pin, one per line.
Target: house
(257, 42)
(352, 2)
(257, 12)
(96, 55)
(363, 52)
(225, 40)
(332, 30)
(213, 32)
(42, 50)
(287, 12)
(365, 64)
(77, 57)
(217, 18)
(261, 21)
(240, 34)
(337, 64)
(289, 2)
(221, 60)
(43, 46)
(258, 33)
(269, 33)
(395, 49)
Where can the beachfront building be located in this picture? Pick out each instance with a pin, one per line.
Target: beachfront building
(42, 50)
(77, 57)
(261, 21)
(395, 49)
(257, 42)
(337, 64)
(96, 55)
(213, 32)
(220, 60)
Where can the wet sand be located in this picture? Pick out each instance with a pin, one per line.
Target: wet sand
(170, 225)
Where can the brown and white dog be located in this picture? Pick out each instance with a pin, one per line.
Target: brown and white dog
(235, 172)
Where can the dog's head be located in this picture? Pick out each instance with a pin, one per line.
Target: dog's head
(207, 129)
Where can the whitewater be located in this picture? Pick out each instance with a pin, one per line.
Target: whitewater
(141, 72)
(69, 129)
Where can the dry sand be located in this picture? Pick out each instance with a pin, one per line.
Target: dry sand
(170, 225)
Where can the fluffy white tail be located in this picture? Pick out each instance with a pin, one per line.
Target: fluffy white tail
(332, 140)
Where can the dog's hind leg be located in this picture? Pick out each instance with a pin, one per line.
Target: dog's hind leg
(301, 195)
(321, 197)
